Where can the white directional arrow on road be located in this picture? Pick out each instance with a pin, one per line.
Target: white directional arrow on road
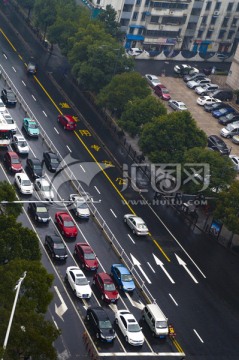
(60, 310)
(161, 264)
(137, 263)
(136, 304)
(181, 262)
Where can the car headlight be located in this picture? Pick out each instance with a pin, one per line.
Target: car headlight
(106, 296)
(117, 296)
(103, 337)
(57, 256)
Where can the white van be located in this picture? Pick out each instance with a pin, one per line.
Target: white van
(156, 320)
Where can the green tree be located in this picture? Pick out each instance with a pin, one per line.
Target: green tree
(139, 112)
(166, 139)
(123, 88)
(108, 18)
(8, 193)
(27, 4)
(227, 207)
(44, 13)
(221, 170)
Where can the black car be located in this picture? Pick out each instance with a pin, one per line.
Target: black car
(100, 323)
(222, 94)
(217, 144)
(51, 160)
(39, 211)
(8, 97)
(228, 119)
(215, 106)
(34, 168)
(56, 247)
(198, 76)
(31, 67)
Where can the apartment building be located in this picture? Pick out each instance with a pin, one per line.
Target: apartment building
(195, 25)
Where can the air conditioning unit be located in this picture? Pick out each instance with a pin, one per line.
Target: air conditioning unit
(171, 12)
(179, 39)
(216, 13)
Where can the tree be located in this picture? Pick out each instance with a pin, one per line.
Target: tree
(165, 139)
(27, 4)
(108, 18)
(31, 334)
(8, 193)
(45, 13)
(139, 112)
(221, 170)
(122, 89)
(227, 207)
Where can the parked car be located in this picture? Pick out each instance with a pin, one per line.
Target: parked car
(67, 121)
(39, 211)
(214, 70)
(217, 144)
(32, 67)
(23, 183)
(196, 76)
(56, 247)
(204, 90)
(162, 92)
(78, 282)
(79, 206)
(230, 130)
(44, 189)
(66, 224)
(203, 100)
(193, 84)
(129, 327)
(106, 287)
(222, 94)
(153, 80)
(122, 277)
(184, 69)
(8, 97)
(134, 51)
(86, 256)
(177, 105)
(228, 119)
(216, 106)
(235, 139)
(223, 111)
(100, 323)
(20, 145)
(235, 161)
(136, 224)
(52, 161)
(34, 168)
(30, 127)
(12, 162)
(2, 107)
(10, 121)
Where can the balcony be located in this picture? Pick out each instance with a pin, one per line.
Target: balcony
(126, 15)
(129, 2)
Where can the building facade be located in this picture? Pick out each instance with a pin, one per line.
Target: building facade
(196, 25)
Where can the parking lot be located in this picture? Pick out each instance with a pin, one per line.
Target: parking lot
(179, 91)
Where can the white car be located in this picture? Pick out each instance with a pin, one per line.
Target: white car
(205, 89)
(78, 282)
(177, 105)
(20, 145)
(10, 121)
(23, 183)
(185, 69)
(136, 224)
(153, 80)
(193, 84)
(129, 327)
(44, 189)
(235, 161)
(135, 51)
(207, 100)
(2, 106)
(79, 206)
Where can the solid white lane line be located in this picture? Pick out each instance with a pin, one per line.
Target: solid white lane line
(131, 239)
(151, 267)
(34, 98)
(24, 83)
(56, 131)
(68, 148)
(113, 213)
(5, 56)
(97, 190)
(198, 335)
(175, 302)
(44, 113)
(13, 68)
(82, 168)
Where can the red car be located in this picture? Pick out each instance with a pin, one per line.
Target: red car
(86, 256)
(106, 286)
(162, 92)
(67, 121)
(66, 224)
(13, 162)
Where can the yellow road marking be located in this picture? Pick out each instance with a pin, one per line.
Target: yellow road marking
(159, 247)
(47, 94)
(8, 40)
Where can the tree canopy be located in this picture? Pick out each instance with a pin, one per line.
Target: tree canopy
(108, 18)
(44, 13)
(8, 193)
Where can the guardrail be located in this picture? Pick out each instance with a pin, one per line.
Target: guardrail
(100, 220)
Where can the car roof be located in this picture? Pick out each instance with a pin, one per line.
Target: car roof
(128, 316)
(43, 181)
(51, 154)
(56, 238)
(105, 277)
(99, 311)
(22, 175)
(64, 215)
(122, 268)
(12, 154)
(69, 117)
(39, 204)
(35, 160)
(85, 247)
(153, 76)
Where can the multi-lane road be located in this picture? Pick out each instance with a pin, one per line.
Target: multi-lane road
(192, 279)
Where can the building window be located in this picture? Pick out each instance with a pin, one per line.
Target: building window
(225, 22)
(213, 20)
(234, 22)
(208, 6)
(230, 34)
(143, 16)
(154, 19)
(221, 34)
(237, 9)
(218, 6)
(200, 32)
(138, 2)
(204, 20)
(147, 2)
(131, 30)
(209, 34)
(98, 2)
(135, 15)
(230, 6)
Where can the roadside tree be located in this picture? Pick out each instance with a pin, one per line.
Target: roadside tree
(44, 13)
(8, 193)
(27, 4)
(108, 18)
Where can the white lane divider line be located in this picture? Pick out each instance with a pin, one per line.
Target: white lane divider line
(24, 83)
(113, 213)
(68, 148)
(34, 98)
(56, 131)
(97, 190)
(131, 239)
(198, 335)
(175, 302)
(13, 68)
(5, 56)
(82, 168)
(151, 267)
(44, 113)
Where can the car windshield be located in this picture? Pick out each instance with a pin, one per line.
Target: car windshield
(22, 144)
(127, 277)
(165, 91)
(81, 205)
(81, 281)
(134, 327)
(2, 104)
(59, 246)
(26, 183)
(46, 188)
(54, 161)
(69, 223)
(161, 324)
(230, 116)
(109, 287)
(89, 256)
(15, 161)
(41, 209)
(105, 324)
(33, 125)
(223, 111)
(141, 226)
(229, 127)
(37, 167)
(9, 120)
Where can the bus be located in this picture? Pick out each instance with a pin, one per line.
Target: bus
(5, 132)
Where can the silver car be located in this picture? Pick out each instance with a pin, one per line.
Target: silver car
(20, 145)
(153, 80)
(177, 105)
(136, 224)
(79, 206)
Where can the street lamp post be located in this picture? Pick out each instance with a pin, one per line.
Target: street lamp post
(17, 287)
